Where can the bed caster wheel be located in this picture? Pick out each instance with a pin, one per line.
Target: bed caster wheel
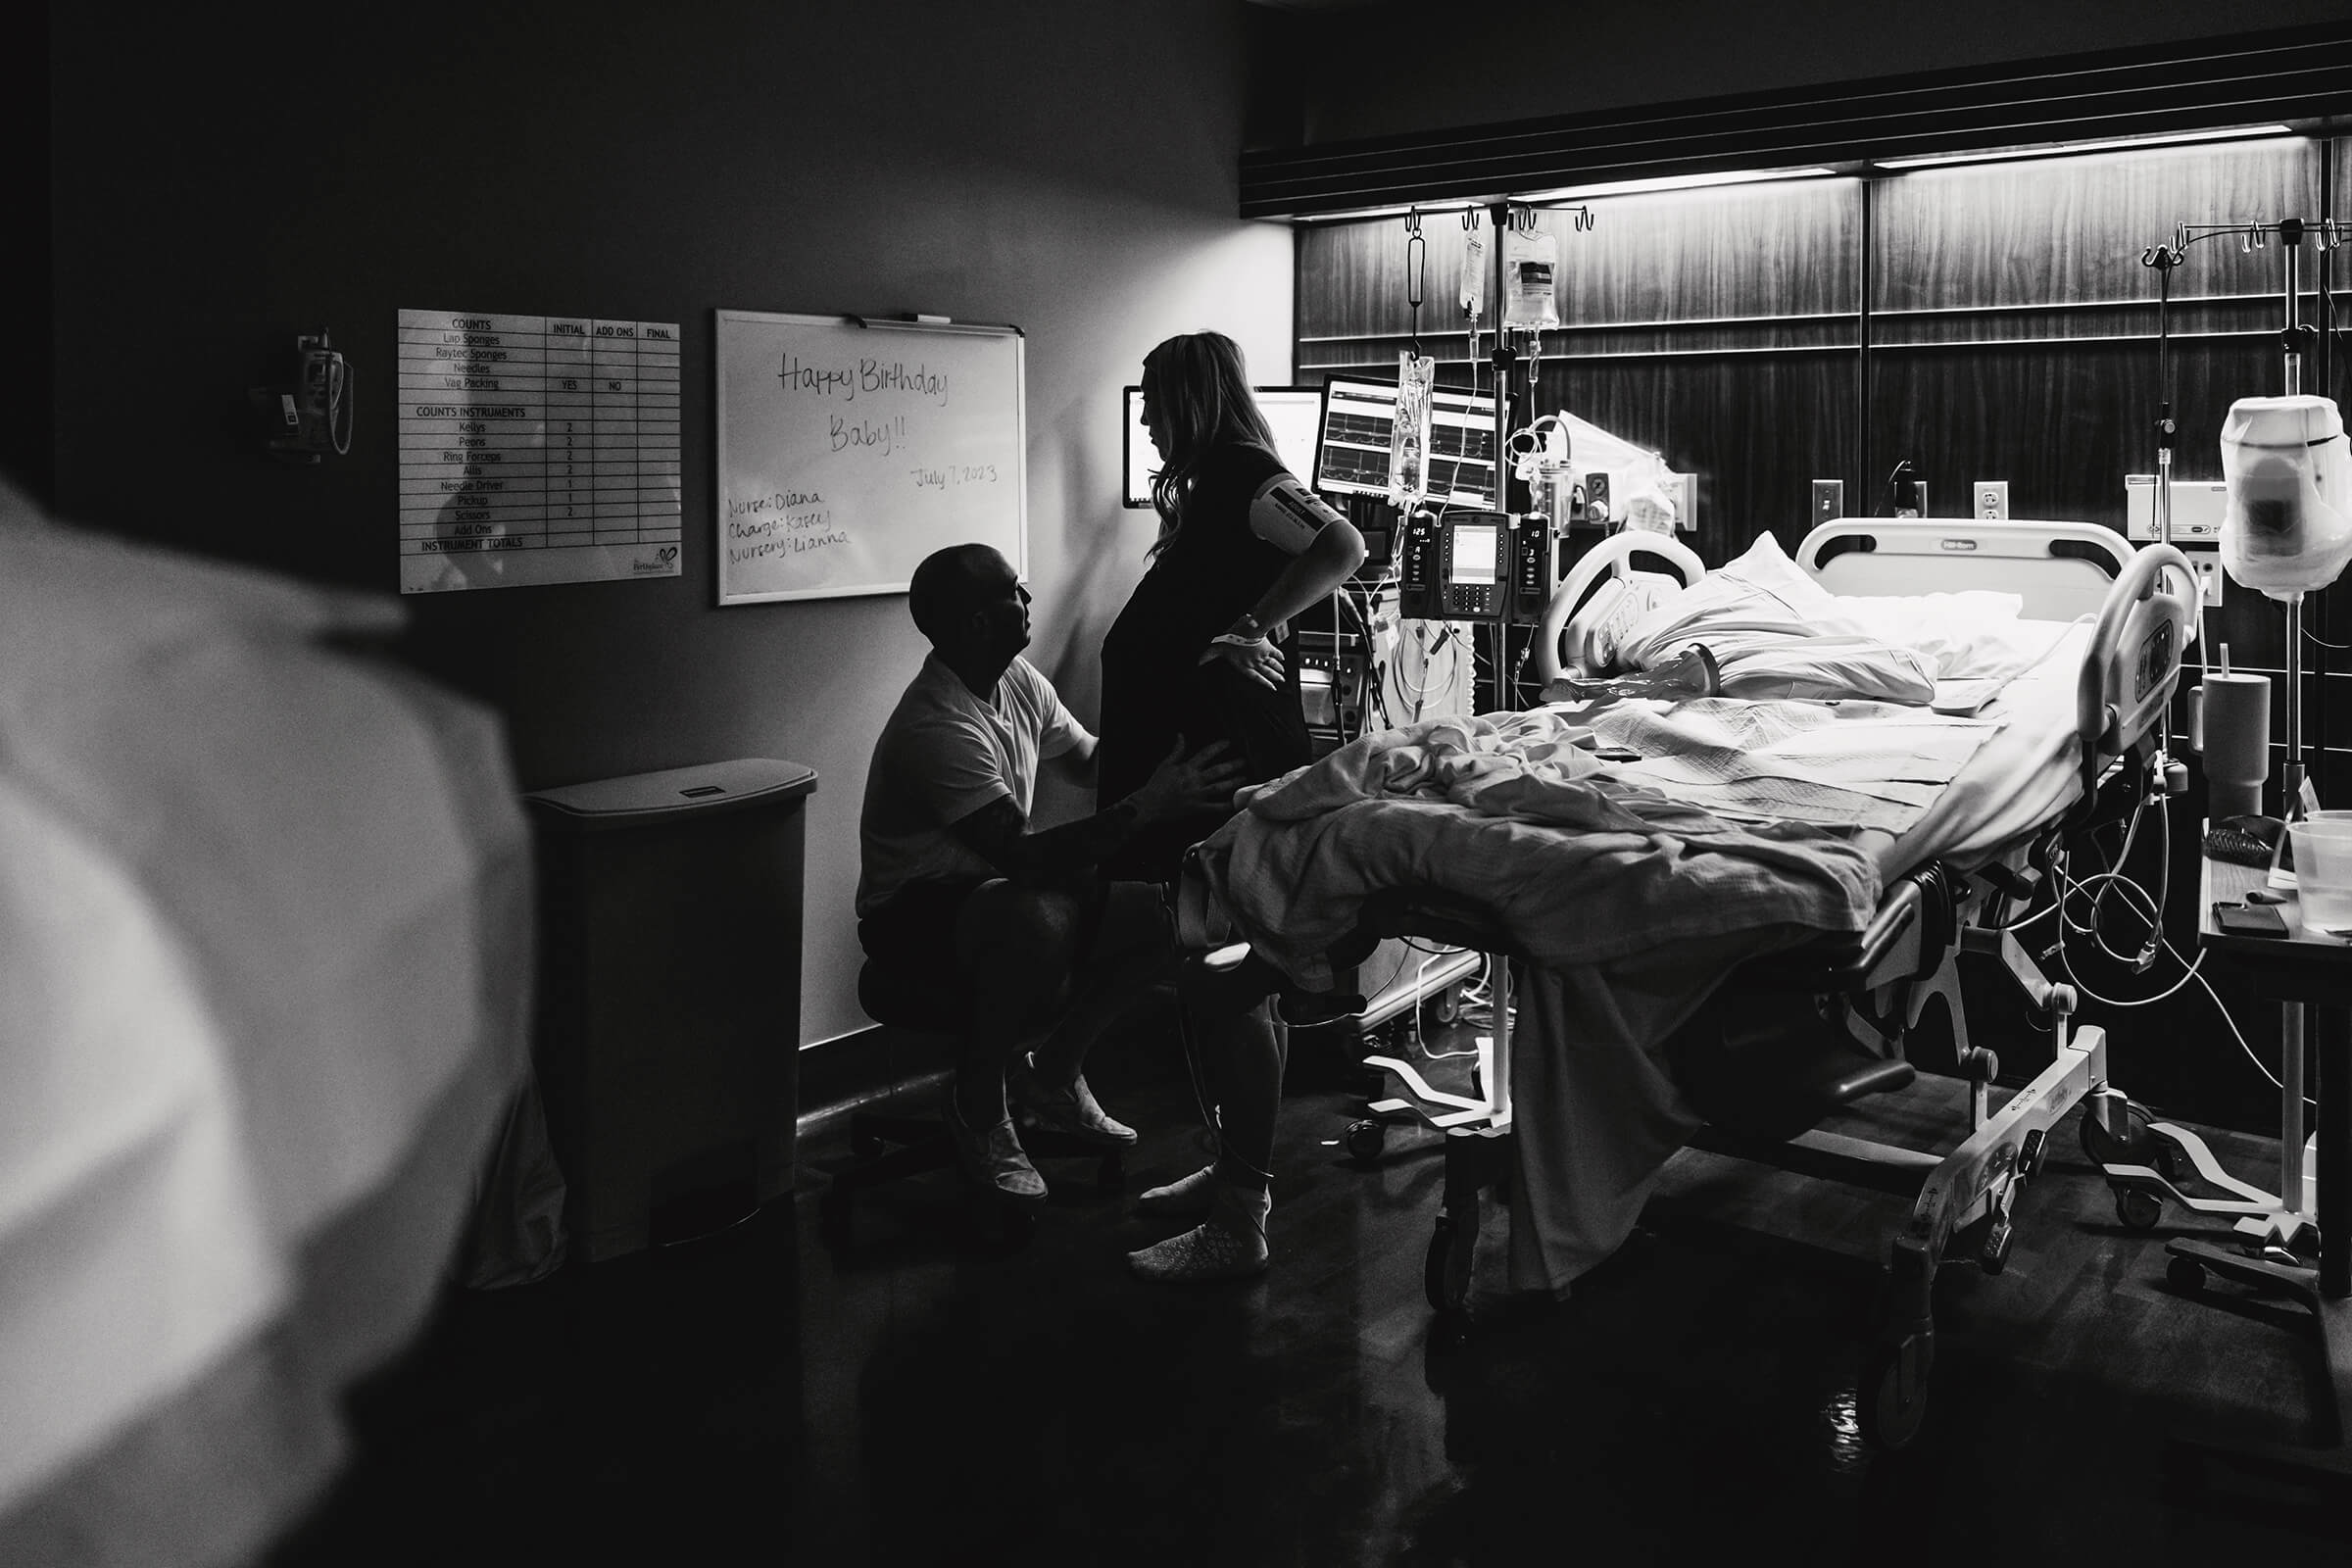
(2034, 1152)
(2136, 1146)
(1445, 1273)
(2102, 1147)
(1893, 1400)
(2138, 1210)
(2186, 1275)
(1444, 1005)
(1432, 1268)
(1364, 1141)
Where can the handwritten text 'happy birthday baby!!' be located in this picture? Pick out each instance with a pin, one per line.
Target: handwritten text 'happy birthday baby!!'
(867, 378)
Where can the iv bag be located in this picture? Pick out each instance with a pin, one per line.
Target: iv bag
(1474, 274)
(2287, 526)
(1529, 259)
(1408, 432)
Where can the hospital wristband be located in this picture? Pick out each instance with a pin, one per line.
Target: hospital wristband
(1230, 640)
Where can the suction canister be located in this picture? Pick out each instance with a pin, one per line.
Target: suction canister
(2287, 527)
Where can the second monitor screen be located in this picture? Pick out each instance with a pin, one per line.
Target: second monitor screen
(1292, 410)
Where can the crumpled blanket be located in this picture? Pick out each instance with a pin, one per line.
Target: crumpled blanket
(1498, 764)
(1576, 865)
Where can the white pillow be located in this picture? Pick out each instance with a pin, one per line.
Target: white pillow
(1968, 634)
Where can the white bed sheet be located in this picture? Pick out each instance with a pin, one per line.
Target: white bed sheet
(1968, 647)
(2024, 777)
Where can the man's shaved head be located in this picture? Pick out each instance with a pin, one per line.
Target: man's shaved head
(950, 585)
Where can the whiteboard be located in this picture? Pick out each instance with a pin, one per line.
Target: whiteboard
(849, 450)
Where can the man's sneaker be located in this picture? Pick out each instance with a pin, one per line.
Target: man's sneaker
(993, 1159)
(1073, 1112)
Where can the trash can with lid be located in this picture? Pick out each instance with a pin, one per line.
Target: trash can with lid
(667, 1036)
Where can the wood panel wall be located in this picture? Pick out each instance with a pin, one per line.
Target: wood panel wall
(1987, 323)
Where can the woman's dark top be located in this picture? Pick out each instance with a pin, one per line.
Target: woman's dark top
(1155, 687)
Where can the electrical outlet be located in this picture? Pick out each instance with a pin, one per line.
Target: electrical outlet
(1683, 487)
(1829, 500)
(1991, 501)
(2210, 576)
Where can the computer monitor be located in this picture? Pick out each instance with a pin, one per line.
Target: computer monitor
(1293, 411)
(1352, 454)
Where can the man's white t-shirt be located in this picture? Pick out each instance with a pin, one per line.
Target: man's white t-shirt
(942, 755)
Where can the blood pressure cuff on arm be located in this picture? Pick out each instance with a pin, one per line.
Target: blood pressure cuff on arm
(1288, 515)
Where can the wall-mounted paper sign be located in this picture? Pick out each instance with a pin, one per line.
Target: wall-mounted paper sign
(536, 449)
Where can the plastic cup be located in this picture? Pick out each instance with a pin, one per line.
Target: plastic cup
(2323, 849)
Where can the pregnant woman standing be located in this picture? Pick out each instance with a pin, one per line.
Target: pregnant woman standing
(1204, 651)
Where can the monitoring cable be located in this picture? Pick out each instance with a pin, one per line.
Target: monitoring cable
(2136, 898)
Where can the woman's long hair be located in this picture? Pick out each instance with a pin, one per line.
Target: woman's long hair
(1199, 387)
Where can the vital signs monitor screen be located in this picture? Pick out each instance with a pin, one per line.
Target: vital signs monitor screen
(1290, 410)
(1352, 456)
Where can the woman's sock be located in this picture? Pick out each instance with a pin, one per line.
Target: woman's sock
(1186, 1198)
(1229, 1244)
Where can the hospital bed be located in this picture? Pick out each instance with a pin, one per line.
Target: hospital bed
(1651, 1032)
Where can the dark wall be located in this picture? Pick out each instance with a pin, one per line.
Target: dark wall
(224, 183)
(28, 424)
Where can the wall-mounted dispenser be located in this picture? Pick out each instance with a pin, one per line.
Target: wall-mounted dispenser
(304, 422)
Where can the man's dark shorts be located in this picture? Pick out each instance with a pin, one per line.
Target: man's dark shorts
(916, 928)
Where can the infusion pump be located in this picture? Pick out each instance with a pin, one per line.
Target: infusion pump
(1476, 565)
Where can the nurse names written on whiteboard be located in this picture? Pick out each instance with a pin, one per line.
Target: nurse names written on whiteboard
(536, 449)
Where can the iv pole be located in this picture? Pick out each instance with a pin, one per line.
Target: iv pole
(1506, 215)
(2296, 339)
(2279, 1229)
(2276, 1223)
